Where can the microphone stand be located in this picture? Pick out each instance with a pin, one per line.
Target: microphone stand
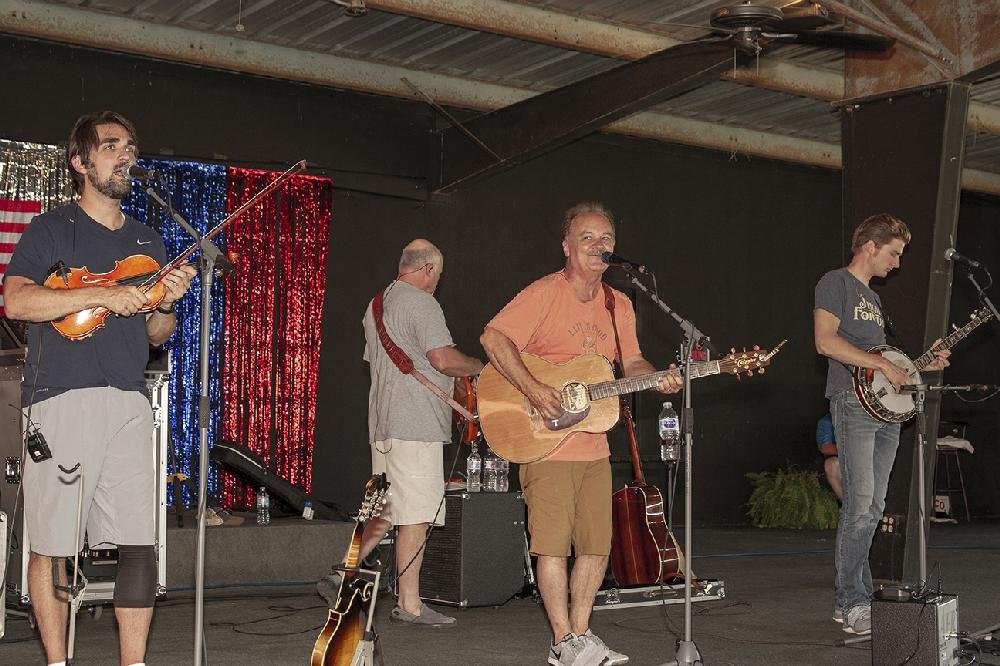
(687, 651)
(211, 259)
(982, 294)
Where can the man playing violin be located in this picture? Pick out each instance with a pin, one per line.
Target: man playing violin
(88, 396)
(568, 494)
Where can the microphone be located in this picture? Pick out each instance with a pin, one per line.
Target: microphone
(952, 255)
(139, 173)
(612, 259)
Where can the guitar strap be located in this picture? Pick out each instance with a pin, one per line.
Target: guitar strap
(405, 364)
(609, 303)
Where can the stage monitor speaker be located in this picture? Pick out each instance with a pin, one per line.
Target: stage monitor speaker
(478, 557)
(917, 633)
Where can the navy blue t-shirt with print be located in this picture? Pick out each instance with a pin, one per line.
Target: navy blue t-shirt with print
(115, 355)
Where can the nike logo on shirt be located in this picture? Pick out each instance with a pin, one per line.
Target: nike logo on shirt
(144, 242)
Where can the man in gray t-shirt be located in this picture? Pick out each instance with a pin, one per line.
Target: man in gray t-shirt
(847, 321)
(408, 424)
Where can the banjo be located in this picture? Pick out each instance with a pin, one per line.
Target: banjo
(877, 395)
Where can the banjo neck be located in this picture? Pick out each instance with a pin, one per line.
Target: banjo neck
(979, 317)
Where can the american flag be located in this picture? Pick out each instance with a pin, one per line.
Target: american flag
(14, 218)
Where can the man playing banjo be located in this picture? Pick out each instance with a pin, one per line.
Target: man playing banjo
(847, 321)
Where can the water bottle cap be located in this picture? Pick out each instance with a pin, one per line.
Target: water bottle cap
(668, 405)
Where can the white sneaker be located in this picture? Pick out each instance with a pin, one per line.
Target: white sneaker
(611, 658)
(838, 615)
(575, 650)
(858, 620)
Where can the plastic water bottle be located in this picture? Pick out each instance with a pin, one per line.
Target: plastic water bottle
(307, 511)
(263, 507)
(473, 470)
(491, 471)
(503, 476)
(670, 434)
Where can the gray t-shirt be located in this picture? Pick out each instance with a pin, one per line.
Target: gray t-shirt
(861, 322)
(399, 406)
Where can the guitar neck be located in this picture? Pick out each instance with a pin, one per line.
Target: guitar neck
(643, 382)
(928, 357)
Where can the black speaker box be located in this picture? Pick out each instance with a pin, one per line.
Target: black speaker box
(478, 557)
(917, 633)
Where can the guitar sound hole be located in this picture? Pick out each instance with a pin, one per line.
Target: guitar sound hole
(574, 397)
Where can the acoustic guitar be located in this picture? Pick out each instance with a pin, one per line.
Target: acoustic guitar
(338, 642)
(589, 392)
(643, 550)
(880, 398)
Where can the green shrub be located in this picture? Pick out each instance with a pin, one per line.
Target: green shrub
(791, 498)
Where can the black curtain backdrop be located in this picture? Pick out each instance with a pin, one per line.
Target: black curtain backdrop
(736, 243)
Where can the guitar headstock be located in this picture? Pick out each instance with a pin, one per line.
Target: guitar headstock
(376, 494)
(982, 315)
(738, 362)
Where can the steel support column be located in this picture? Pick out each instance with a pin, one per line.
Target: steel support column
(903, 155)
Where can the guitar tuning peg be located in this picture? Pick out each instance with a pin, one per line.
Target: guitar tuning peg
(732, 350)
(756, 347)
(749, 373)
(744, 350)
(760, 371)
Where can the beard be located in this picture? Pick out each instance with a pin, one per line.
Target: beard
(113, 187)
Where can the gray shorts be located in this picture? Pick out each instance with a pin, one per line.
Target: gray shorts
(108, 431)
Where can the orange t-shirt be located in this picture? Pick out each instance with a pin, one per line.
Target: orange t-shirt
(548, 320)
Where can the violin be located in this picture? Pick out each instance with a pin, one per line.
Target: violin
(138, 270)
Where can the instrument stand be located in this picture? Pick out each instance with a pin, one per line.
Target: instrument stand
(74, 591)
(687, 651)
(364, 653)
(211, 259)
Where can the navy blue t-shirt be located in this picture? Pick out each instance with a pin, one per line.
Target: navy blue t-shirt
(115, 355)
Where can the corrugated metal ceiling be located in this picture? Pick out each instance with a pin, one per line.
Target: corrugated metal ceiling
(391, 39)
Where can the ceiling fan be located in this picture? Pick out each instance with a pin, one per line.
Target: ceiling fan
(746, 24)
(518, 132)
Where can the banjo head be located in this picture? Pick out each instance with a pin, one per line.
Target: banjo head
(880, 397)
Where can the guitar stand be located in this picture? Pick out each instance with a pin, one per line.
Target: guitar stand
(364, 653)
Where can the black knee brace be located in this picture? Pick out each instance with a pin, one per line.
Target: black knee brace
(135, 584)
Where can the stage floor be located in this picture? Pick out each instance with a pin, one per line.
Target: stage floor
(777, 610)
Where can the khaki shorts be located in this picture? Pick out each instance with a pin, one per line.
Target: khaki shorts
(109, 432)
(416, 472)
(569, 504)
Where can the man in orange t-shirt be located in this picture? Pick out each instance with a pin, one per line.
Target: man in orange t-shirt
(568, 494)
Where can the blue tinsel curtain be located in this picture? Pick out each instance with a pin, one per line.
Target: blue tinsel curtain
(198, 193)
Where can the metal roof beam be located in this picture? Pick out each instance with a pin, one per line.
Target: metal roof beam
(581, 34)
(513, 134)
(70, 25)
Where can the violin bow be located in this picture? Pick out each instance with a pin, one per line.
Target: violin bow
(182, 257)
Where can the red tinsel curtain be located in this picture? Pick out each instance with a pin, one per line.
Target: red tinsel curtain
(273, 316)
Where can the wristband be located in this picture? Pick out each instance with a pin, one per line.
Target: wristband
(169, 310)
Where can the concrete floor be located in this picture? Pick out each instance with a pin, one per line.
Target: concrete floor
(777, 610)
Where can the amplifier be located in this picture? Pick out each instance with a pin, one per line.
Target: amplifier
(478, 557)
(918, 633)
